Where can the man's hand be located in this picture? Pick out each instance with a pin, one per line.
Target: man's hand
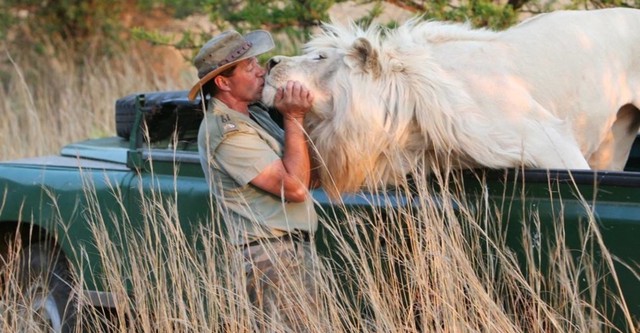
(290, 177)
(294, 100)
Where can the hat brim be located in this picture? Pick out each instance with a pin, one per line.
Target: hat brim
(261, 42)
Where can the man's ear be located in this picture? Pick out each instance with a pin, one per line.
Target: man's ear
(222, 83)
(363, 57)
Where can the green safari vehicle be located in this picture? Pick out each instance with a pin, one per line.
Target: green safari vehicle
(50, 204)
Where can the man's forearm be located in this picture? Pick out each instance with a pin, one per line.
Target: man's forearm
(296, 157)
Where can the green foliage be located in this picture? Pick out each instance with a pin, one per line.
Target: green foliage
(289, 21)
(151, 36)
(292, 19)
(78, 24)
(366, 20)
(590, 4)
(181, 8)
(479, 13)
(274, 15)
(95, 26)
(500, 14)
(71, 20)
(6, 20)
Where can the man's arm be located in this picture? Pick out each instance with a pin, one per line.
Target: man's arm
(290, 176)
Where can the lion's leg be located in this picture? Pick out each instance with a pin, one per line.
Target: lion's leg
(613, 152)
(563, 156)
(559, 150)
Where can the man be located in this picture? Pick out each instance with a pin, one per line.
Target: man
(260, 173)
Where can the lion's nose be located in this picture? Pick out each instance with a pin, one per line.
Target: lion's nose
(272, 63)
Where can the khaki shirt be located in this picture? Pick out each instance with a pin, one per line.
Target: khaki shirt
(233, 150)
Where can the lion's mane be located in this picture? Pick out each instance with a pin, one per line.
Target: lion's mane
(376, 131)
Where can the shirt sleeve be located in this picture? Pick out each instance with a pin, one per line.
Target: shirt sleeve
(243, 156)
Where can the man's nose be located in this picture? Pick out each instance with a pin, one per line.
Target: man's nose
(272, 63)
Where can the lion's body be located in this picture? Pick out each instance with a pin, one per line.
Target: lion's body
(560, 90)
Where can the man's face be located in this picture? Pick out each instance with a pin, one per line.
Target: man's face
(247, 80)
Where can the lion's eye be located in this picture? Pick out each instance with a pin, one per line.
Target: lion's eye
(320, 56)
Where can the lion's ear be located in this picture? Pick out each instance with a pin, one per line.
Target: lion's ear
(362, 56)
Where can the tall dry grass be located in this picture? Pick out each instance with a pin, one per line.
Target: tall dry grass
(439, 263)
(48, 99)
(435, 264)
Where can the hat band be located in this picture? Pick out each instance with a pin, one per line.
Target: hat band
(235, 54)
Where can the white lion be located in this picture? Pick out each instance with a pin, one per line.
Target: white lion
(560, 90)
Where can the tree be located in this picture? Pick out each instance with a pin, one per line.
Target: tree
(78, 24)
(94, 25)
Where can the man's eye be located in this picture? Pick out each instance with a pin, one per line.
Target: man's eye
(252, 65)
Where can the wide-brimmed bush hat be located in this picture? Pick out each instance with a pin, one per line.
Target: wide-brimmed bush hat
(225, 50)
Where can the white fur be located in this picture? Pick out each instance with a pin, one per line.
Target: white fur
(545, 93)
